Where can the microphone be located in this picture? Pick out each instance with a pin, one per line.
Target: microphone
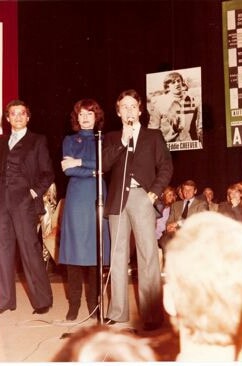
(130, 121)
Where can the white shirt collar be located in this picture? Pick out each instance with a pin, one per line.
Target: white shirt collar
(190, 200)
(20, 133)
(136, 127)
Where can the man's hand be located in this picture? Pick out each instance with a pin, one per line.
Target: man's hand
(127, 133)
(152, 196)
(69, 162)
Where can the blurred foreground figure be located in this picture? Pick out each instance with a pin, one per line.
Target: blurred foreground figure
(100, 343)
(203, 293)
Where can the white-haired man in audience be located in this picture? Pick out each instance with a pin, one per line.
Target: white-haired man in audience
(203, 293)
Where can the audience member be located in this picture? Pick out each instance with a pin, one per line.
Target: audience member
(208, 194)
(45, 224)
(100, 343)
(78, 242)
(138, 174)
(52, 239)
(203, 290)
(26, 174)
(239, 186)
(163, 207)
(233, 206)
(182, 209)
(179, 193)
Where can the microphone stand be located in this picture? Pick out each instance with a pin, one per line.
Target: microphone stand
(100, 226)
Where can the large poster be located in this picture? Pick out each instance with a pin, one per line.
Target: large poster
(174, 101)
(232, 46)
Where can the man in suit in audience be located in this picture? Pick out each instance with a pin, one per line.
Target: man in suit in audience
(208, 195)
(182, 209)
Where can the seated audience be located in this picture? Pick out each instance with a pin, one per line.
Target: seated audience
(203, 290)
(233, 206)
(208, 194)
(101, 343)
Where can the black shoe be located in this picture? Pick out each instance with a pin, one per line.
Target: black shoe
(109, 321)
(152, 326)
(42, 310)
(72, 313)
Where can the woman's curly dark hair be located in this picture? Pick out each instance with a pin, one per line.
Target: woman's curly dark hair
(90, 105)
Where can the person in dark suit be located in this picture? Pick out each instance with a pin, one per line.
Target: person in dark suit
(141, 166)
(25, 175)
(182, 209)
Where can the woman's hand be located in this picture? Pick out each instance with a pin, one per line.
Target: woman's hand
(70, 162)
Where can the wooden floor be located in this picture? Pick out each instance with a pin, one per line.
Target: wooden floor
(27, 337)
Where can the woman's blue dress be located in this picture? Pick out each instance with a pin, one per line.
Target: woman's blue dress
(78, 241)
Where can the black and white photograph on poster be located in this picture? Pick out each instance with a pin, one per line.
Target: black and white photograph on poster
(174, 103)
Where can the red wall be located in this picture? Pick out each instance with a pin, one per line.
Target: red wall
(8, 16)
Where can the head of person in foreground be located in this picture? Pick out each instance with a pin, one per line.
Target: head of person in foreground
(203, 293)
(101, 343)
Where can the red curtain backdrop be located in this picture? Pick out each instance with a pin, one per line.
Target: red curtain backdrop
(8, 16)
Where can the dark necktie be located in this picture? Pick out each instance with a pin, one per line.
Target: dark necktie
(185, 211)
(131, 145)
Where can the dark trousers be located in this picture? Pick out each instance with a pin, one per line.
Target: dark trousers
(79, 276)
(18, 224)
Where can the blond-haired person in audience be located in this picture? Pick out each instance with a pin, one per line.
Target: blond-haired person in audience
(232, 207)
(167, 198)
(203, 291)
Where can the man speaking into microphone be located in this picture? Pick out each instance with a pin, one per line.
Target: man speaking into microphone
(141, 167)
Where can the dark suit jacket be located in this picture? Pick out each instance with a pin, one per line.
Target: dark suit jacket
(226, 209)
(197, 205)
(36, 165)
(151, 166)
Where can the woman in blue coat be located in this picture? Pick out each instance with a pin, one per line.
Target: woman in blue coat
(78, 243)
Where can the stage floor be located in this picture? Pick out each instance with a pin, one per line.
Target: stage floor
(27, 337)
